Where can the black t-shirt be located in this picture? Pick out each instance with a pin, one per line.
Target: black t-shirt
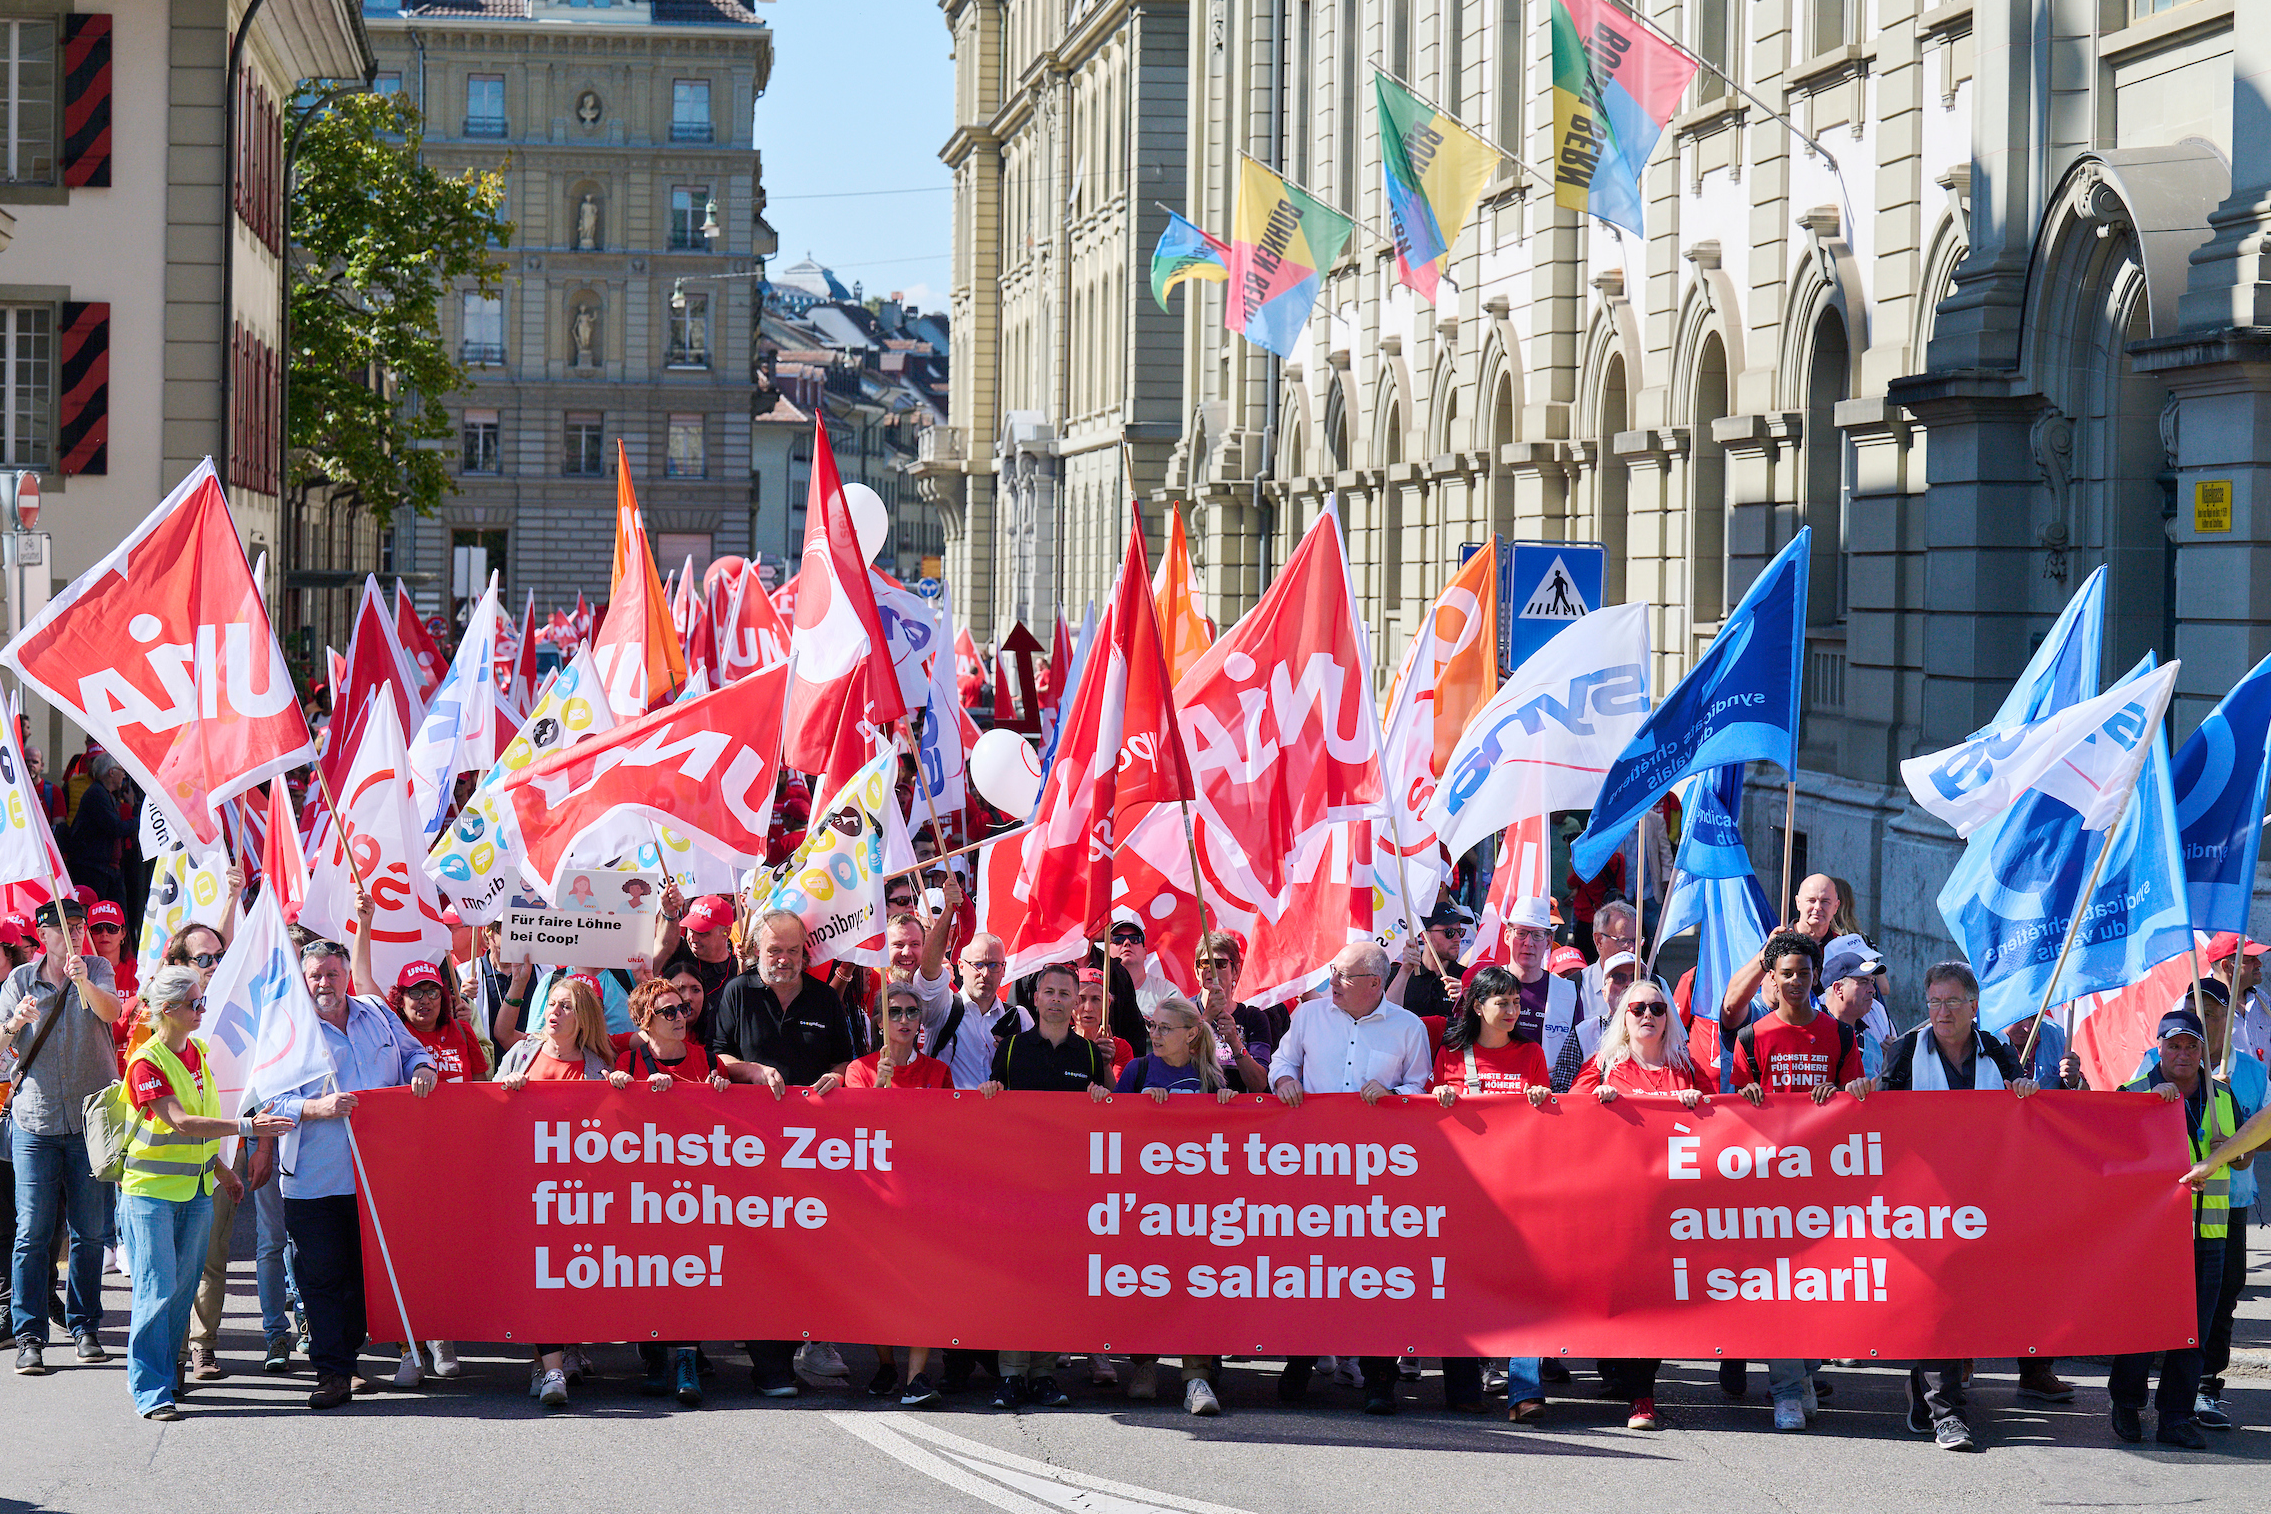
(1027, 1063)
(802, 1043)
(1899, 1071)
(1425, 993)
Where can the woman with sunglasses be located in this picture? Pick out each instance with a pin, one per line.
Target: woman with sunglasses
(1643, 1052)
(896, 1064)
(659, 1050)
(172, 1168)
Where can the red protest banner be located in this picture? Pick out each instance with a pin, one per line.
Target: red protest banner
(1891, 1229)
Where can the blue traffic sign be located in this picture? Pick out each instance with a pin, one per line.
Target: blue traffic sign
(1543, 586)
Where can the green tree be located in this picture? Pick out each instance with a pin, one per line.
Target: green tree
(378, 239)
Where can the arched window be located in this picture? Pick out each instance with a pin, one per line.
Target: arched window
(1829, 475)
(1707, 476)
(1610, 484)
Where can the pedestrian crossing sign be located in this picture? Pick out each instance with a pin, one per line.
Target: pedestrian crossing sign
(1544, 585)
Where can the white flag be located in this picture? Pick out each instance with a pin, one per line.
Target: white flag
(379, 820)
(835, 881)
(260, 1021)
(2087, 755)
(1568, 713)
(27, 848)
(459, 731)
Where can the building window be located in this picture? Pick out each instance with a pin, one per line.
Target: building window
(386, 84)
(1715, 45)
(690, 110)
(1831, 24)
(31, 102)
(690, 333)
(485, 105)
(481, 451)
(688, 202)
(484, 330)
(26, 384)
(386, 550)
(584, 458)
(685, 457)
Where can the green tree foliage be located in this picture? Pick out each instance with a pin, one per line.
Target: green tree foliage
(379, 239)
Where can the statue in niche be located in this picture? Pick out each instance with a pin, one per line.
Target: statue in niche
(585, 329)
(587, 223)
(587, 108)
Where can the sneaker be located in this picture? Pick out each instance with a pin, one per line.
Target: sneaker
(2038, 1381)
(1010, 1394)
(1643, 1415)
(1143, 1381)
(279, 1356)
(820, 1359)
(1789, 1414)
(113, 1265)
(445, 1358)
(1407, 1368)
(406, 1372)
(554, 1394)
(688, 1382)
(1101, 1372)
(886, 1378)
(1493, 1380)
(1198, 1398)
(2208, 1413)
(1952, 1434)
(163, 1412)
(31, 1359)
(919, 1394)
(1347, 1373)
(90, 1349)
(1045, 1393)
(576, 1366)
(2128, 1424)
(2183, 1433)
(774, 1387)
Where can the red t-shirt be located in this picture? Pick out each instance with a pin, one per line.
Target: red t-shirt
(456, 1050)
(146, 1081)
(546, 1068)
(640, 1061)
(922, 1072)
(1499, 1069)
(1630, 1077)
(1796, 1056)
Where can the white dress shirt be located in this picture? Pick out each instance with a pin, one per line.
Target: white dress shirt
(1327, 1052)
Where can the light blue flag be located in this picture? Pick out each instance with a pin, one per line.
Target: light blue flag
(2219, 781)
(1738, 704)
(1713, 887)
(2011, 898)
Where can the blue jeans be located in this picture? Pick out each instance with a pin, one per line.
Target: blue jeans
(168, 1236)
(1786, 1378)
(54, 1187)
(1522, 1381)
(272, 1267)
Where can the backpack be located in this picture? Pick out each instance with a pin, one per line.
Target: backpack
(110, 1121)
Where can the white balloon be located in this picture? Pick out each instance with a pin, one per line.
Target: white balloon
(1007, 772)
(870, 520)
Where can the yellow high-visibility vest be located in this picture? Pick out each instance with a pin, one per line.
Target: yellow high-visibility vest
(161, 1162)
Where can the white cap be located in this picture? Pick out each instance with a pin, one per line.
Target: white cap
(1534, 914)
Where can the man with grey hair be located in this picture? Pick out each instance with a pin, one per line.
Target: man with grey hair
(1351, 1042)
(100, 831)
(779, 1026)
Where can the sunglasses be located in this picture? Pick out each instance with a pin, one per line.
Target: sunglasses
(1223, 964)
(205, 959)
(106, 930)
(915, 1013)
(1127, 938)
(678, 1011)
(1653, 1011)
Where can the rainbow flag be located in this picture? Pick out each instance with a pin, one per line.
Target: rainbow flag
(1615, 84)
(1185, 252)
(1436, 170)
(1282, 239)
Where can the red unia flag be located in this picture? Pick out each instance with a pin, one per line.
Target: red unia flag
(704, 767)
(1120, 757)
(426, 657)
(846, 690)
(640, 663)
(283, 866)
(377, 665)
(690, 617)
(377, 821)
(745, 628)
(524, 665)
(163, 653)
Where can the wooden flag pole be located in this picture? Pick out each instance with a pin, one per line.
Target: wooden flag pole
(2073, 929)
(1789, 842)
(963, 851)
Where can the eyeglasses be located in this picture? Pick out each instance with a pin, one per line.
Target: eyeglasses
(1341, 977)
(1948, 1003)
(423, 991)
(986, 965)
(1653, 1011)
(1529, 935)
(205, 959)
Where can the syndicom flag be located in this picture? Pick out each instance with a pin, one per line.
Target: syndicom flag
(1615, 85)
(1282, 241)
(1435, 170)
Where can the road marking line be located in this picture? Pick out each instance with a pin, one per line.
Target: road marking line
(983, 1471)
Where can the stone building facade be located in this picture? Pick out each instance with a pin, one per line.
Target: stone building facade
(1986, 333)
(629, 309)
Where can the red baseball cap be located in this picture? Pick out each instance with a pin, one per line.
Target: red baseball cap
(1092, 975)
(588, 981)
(86, 895)
(710, 912)
(1565, 959)
(23, 924)
(10, 933)
(2224, 943)
(106, 913)
(418, 972)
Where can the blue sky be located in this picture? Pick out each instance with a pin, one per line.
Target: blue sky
(862, 98)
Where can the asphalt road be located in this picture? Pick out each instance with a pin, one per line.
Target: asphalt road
(71, 1441)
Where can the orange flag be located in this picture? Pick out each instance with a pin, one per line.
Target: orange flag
(1181, 626)
(1465, 622)
(641, 664)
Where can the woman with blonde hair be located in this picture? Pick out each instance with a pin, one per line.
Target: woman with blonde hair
(569, 1046)
(1182, 1059)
